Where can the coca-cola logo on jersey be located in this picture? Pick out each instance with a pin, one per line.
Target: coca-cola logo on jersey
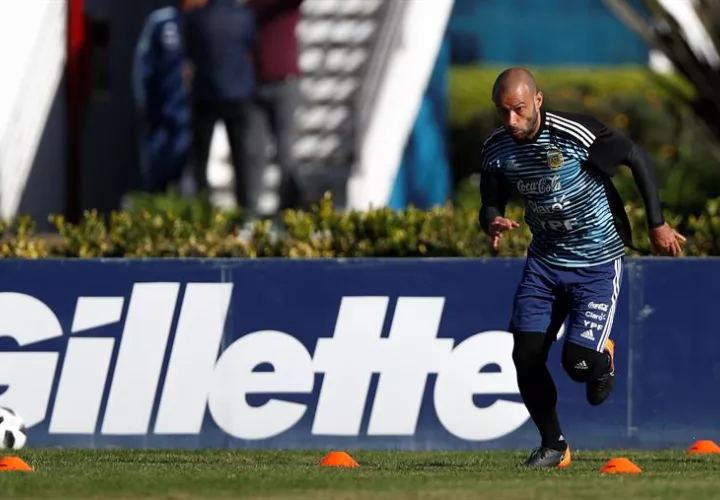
(540, 186)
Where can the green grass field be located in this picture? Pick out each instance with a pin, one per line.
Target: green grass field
(404, 475)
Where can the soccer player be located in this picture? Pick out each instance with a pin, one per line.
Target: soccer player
(561, 164)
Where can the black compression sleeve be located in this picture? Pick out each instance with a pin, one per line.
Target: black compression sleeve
(644, 175)
(611, 149)
(495, 193)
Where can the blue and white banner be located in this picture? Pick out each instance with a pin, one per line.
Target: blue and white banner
(321, 353)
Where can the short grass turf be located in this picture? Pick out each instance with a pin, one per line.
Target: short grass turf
(190, 475)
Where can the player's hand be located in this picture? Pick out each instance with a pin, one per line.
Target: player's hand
(666, 241)
(498, 226)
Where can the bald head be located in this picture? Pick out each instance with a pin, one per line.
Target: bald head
(514, 80)
(518, 101)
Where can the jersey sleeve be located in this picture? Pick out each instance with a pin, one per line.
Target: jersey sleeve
(609, 148)
(494, 192)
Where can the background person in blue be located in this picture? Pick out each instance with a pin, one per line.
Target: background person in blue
(220, 37)
(561, 165)
(161, 88)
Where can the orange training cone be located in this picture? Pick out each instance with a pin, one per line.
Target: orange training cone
(620, 466)
(338, 459)
(703, 447)
(14, 464)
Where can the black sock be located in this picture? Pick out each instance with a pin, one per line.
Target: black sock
(540, 397)
(537, 387)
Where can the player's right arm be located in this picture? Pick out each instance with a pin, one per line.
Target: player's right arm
(494, 193)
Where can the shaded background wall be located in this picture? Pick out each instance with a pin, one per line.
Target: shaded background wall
(550, 32)
(110, 148)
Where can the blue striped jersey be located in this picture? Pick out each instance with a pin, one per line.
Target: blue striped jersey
(563, 177)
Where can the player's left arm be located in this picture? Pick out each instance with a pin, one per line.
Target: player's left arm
(608, 151)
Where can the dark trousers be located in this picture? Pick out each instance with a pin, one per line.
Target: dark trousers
(274, 106)
(235, 116)
(165, 150)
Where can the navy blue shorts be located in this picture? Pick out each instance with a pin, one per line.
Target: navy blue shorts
(548, 295)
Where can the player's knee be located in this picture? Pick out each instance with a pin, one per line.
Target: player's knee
(528, 352)
(583, 364)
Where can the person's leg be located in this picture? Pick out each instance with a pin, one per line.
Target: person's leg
(588, 351)
(237, 119)
(537, 388)
(257, 142)
(203, 126)
(158, 146)
(174, 157)
(282, 100)
(145, 157)
(538, 314)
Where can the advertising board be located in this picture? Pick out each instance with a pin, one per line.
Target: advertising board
(386, 353)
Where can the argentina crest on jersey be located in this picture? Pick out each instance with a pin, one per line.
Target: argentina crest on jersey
(554, 158)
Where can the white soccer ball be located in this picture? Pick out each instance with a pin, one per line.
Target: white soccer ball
(13, 434)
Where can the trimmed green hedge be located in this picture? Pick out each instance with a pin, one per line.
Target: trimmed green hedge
(470, 88)
(320, 232)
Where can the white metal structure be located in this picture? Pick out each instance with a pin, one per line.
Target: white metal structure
(399, 93)
(32, 52)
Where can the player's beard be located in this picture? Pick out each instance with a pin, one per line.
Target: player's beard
(532, 124)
